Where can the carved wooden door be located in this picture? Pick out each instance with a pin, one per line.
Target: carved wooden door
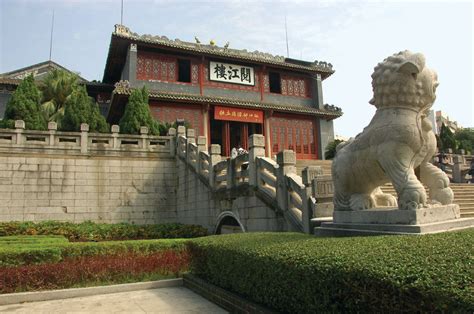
(295, 133)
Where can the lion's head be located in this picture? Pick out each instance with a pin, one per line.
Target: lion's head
(403, 80)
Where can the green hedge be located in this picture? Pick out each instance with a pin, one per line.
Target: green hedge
(303, 274)
(90, 231)
(15, 252)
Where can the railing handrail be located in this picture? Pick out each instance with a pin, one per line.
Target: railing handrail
(83, 142)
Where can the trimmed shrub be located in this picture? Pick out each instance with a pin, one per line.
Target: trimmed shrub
(90, 231)
(137, 114)
(93, 270)
(18, 253)
(295, 273)
(80, 108)
(25, 105)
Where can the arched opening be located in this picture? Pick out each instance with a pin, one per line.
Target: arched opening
(228, 223)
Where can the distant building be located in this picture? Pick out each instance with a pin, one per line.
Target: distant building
(225, 94)
(444, 118)
(10, 80)
(341, 138)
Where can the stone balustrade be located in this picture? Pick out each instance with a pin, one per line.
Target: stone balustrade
(275, 182)
(19, 140)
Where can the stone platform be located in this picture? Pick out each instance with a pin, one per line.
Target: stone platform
(379, 221)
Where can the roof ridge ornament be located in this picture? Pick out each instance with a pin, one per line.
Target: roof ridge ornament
(122, 30)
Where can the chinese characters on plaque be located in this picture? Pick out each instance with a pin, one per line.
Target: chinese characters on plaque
(237, 114)
(231, 73)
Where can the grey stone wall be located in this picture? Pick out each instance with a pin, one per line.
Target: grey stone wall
(325, 136)
(75, 188)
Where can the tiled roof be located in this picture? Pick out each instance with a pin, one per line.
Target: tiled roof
(21, 73)
(9, 81)
(256, 56)
(123, 88)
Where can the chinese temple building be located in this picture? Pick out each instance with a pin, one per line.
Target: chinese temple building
(224, 94)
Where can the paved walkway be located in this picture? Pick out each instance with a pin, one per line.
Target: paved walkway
(162, 300)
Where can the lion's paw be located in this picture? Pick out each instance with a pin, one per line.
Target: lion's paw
(386, 199)
(362, 201)
(412, 199)
(444, 196)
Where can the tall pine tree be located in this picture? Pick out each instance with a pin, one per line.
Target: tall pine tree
(137, 114)
(25, 105)
(80, 108)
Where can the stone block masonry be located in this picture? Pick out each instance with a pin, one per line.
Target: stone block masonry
(55, 180)
(76, 188)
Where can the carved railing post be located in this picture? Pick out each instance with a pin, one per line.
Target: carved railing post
(191, 136)
(19, 128)
(215, 158)
(181, 141)
(144, 137)
(457, 167)
(286, 160)
(52, 127)
(323, 191)
(172, 133)
(181, 130)
(256, 149)
(201, 143)
(84, 137)
(201, 146)
(307, 175)
(115, 129)
(230, 173)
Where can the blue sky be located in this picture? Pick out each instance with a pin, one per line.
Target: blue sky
(352, 35)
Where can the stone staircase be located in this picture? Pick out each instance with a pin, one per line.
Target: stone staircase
(463, 195)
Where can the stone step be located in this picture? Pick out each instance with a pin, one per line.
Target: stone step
(467, 214)
(464, 202)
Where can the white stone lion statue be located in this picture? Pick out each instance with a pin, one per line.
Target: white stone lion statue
(398, 139)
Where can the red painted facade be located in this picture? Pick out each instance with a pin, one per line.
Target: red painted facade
(287, 131)
(163, 68)
(169, 112)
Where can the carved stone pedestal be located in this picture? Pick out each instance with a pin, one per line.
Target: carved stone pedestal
(379, 221)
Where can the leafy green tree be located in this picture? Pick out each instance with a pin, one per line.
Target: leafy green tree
(25, 105)
(330, 152)
(137, 114)
(80, 108)
(447, 138)
(465, 138)
(56, 88)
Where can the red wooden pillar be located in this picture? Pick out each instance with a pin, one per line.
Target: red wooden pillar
(226, 138)
(244, 135)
